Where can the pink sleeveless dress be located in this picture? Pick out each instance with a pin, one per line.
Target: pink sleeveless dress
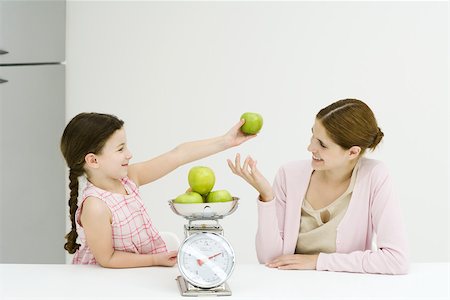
(132, 229)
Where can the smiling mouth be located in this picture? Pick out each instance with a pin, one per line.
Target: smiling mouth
(316, 158)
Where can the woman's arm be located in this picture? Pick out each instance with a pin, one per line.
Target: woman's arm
(96, 220)
(271, 207)
(271, 219)
(153, 169)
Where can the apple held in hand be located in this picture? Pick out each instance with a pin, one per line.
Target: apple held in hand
(201, 179)
(253, 123)
(189, 197)
(219, 196)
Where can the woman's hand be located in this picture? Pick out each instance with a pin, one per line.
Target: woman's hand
(251, 174)
(235, 136)
(165, 259)
(294, 262)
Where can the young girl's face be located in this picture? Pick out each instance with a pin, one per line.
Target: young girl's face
(326, 154)
(115, 156)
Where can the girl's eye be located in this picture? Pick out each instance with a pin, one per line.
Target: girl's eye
(121, 149)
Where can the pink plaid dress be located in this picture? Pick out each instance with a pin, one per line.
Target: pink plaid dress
(132, 229)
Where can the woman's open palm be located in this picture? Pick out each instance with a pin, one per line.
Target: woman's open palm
(250, 173)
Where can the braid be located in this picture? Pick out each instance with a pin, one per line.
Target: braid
(71, 246)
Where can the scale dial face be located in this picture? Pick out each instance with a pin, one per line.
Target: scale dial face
(206, 260)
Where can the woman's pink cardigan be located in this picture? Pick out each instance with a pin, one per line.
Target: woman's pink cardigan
(372, 209)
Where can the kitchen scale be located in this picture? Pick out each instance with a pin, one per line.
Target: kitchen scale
(205, 257)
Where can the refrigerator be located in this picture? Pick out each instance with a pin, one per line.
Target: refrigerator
(32, 118)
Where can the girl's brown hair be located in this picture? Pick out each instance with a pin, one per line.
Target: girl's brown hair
(86, 133)
(351, 122)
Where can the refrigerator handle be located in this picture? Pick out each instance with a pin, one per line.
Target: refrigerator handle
(3, 52)
(3, 81)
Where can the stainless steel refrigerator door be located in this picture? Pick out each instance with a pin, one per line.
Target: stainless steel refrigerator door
(32, 31)
(32, 171)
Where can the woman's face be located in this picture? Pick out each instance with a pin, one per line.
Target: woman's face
(326, 154)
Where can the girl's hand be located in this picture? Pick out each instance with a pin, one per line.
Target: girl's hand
(166, 259)
(235, 136)
(251, 174)
(294, 262)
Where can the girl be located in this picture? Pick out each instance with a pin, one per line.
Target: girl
(322, 213)
(114, 227)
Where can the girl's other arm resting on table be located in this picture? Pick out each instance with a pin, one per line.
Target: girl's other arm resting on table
(96, 220)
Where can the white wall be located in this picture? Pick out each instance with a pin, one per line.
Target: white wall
(178, 71)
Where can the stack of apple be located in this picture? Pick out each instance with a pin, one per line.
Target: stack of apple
(201, 181)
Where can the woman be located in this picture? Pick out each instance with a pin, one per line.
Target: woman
(324, 212)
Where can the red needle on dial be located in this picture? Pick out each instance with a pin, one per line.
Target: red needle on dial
(201, 262)
(212, 256)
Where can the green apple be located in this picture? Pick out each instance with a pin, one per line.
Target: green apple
(201, 179)
(189, 197)
(219, 196)
(253, 123)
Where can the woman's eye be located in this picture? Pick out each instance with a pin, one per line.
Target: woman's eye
(320, 142)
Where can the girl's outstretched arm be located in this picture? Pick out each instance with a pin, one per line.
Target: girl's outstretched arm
(153, 169)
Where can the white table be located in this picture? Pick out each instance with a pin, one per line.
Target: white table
(425, 281)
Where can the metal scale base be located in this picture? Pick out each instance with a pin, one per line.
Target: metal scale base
(187, 289)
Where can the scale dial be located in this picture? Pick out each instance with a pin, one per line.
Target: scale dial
(206, 260)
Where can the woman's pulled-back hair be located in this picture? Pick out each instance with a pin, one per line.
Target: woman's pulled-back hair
(351, 122)
(86, 133)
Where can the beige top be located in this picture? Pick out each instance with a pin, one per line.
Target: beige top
(318, 227)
